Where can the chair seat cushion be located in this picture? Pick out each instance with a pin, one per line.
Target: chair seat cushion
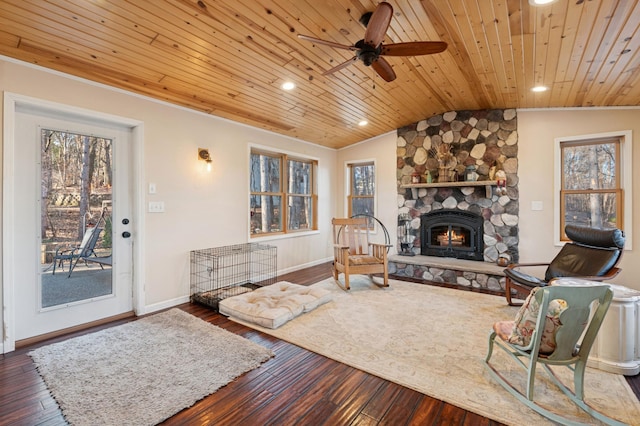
(364, 259)
(274, 305)
(525, 323)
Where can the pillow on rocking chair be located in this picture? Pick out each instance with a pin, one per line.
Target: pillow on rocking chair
(364, 259)
(525, 323)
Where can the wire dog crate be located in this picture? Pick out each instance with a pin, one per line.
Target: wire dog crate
(221, 272)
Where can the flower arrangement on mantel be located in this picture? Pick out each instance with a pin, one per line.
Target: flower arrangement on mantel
(446, 161)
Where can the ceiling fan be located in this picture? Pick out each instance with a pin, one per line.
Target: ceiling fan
(370, 49)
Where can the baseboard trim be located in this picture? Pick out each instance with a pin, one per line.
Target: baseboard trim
(148, 309)
(305, 265)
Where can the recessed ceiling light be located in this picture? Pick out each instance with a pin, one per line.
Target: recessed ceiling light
(539, 89)
(288, 85)
(363, 123)
(540, 2)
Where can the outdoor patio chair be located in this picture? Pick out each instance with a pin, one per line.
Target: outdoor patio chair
(85, 250)
(547, 331)
(592, 254)
(354, 254)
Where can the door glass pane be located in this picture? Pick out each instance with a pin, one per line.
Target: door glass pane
(597, 210)
(75, 217)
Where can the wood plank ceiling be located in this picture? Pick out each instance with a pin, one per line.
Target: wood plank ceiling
(229, 57)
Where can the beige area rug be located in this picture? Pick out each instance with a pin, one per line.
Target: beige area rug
(434, 340)
(145, 371)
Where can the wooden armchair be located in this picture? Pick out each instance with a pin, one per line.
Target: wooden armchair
(354, 254)
(592, 254)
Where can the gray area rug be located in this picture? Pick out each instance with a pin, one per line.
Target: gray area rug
(145, 371)
(434, 340)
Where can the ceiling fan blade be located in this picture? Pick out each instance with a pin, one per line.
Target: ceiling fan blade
(414, 48)
(384, 70)
(378, 24)
(342, 65)
(326, 43)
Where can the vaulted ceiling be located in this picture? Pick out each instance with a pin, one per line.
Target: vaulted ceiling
(229, 58)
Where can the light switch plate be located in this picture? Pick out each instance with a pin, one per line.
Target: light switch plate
(156, 206)
(536, 205)
(152, 188)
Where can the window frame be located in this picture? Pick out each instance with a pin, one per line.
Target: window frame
(350, 182)
(624, 181)
(283, 193)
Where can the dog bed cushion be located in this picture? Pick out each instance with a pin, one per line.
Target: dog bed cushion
(274, 305)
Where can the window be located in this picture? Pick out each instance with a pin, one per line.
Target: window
(362, 185)
(282, 192)
(591, 191)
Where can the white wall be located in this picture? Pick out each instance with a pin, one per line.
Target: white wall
(537, 131)
(382, 150)
(201, 210)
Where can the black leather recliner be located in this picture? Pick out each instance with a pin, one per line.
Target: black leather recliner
(592, 254)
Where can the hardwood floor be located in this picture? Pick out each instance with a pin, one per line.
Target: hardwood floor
(295, 387)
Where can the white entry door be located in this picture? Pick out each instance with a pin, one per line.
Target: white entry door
(43, 306)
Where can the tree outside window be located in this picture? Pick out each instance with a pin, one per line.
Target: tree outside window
(591, 192)
(300, 195)
(275, 180)
(77, 172)
(361, 198)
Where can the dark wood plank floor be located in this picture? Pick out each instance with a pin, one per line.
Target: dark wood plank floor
(295, 387)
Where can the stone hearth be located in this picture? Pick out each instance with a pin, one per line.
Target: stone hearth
(463, 273)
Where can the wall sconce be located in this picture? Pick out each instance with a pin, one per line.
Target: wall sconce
(203, 154)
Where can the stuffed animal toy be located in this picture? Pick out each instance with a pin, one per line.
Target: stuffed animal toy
(501, 182)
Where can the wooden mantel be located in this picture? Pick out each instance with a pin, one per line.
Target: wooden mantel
(488, 184)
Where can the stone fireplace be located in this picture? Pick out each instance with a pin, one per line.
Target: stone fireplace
(452, 233)
(485, 141)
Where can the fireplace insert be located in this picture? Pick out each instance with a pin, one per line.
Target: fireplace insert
(452, 233)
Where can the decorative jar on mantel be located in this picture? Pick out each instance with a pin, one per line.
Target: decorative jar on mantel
(445, 174)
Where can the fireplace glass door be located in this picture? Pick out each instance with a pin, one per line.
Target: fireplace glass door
(451, 236)
(452, 233)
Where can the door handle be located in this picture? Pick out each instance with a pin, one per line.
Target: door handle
(126, 234)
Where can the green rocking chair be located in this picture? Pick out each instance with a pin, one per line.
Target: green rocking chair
(565, 312)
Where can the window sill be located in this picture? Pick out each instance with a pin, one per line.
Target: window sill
(268, 237)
